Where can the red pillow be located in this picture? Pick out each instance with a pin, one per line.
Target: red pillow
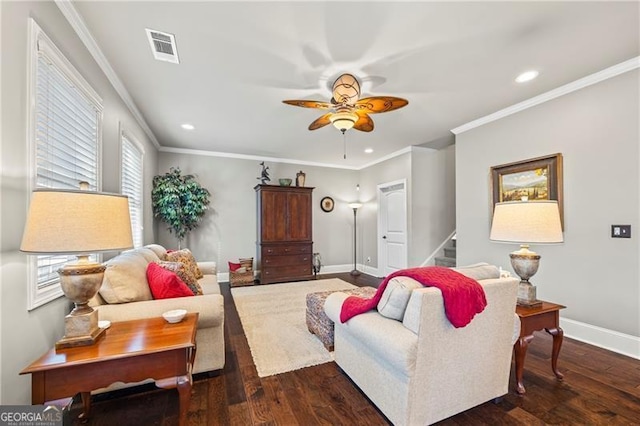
(165, 284)
(234, 266)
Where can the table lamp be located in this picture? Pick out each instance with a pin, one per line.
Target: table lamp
(526, 222)
(78, 222)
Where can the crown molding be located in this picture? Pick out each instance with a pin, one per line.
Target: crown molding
(80, 28)
(589, 80)
(200, 152)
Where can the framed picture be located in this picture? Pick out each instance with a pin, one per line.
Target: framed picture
(326, 204)
(534, 179)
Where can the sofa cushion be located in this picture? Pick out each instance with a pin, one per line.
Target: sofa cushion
(183, 273)
(396, 296)
(165, 284)
(125, 279)
(479, 271)
(148, 254)
(160, 251)
(185, 256)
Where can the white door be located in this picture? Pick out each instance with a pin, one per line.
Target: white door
(392, 227)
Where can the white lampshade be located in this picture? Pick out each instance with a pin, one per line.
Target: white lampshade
(526, 222)
(343, 120)
(76, 222)
(355, 205)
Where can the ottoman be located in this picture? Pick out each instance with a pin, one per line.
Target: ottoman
(318, 322)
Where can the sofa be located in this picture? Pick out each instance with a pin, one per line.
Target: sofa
(125, 295)
(417, 368)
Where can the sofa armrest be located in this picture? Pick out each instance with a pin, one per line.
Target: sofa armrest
(333, 305)
(208, 268)
(209, 306)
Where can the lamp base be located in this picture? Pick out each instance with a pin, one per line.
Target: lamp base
(355, 273)
(80, 330)
(527, 295)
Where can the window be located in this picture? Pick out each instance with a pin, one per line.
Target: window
(65, 129)
(131, 183)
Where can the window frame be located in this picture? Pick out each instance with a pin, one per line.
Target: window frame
(126, 136)
(38, 42)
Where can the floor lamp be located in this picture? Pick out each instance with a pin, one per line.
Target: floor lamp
(355, 207)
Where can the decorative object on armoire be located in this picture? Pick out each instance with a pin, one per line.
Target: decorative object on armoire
(179, 201)
(526, 222)
(66, 222)
(317, 264)
(534, 179)
(285, 243)
(326, 204)
(285, 181)
(355, 207)
(300, 178)
(264, 174)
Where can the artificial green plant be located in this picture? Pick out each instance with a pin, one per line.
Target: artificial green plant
(179, 201)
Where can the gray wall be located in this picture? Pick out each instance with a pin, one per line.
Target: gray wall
(228, 230)
(26, 335)
(596, 130)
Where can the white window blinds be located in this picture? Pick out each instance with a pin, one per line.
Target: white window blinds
(131, 184)
(66, 126)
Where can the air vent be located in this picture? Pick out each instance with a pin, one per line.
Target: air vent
(163, 46)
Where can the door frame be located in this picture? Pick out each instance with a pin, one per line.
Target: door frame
(379, 192)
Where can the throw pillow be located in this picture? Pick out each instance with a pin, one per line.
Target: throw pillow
(233, 266)
(479, 271)
(396, 296)
(185, 256)
(125, 279)
(164, 284)
(184, 274)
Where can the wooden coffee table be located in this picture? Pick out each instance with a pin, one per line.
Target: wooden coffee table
(131, 351)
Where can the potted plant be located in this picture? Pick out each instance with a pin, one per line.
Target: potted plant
(179, 201)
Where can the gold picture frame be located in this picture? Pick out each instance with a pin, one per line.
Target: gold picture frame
(536, 178)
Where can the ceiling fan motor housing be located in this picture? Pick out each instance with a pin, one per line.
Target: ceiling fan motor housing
(346, 89)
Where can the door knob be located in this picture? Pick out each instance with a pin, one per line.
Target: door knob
(384, 237)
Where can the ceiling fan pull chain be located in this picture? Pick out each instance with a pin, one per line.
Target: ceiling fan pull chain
(344, 142)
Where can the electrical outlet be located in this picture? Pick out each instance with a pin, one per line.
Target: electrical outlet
(620, 231)
(368, 259)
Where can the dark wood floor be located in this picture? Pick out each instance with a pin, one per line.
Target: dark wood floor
(600, 387)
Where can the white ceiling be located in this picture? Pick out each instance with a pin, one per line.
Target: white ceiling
(454, 62)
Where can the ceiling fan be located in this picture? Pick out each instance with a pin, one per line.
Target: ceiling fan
(346, 109)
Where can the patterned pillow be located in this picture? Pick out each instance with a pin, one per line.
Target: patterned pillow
(183, 273)
(185, 256)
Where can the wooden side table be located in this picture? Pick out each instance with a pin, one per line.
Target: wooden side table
(545, 317)
(131, 351)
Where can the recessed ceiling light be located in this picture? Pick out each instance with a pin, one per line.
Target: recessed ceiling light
(368, 150)
(527, 76)
(188, 126)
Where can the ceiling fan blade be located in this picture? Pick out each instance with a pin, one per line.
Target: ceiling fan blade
(378, 104)
(309, 104)
(364, 123)
(320, 122)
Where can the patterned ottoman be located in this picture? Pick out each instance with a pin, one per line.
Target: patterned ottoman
(318, 322)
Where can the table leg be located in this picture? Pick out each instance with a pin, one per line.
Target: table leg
(86, 405)
(184, 392)
(557, 334)
(521, 352)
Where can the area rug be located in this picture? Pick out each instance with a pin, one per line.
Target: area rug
(273, 318)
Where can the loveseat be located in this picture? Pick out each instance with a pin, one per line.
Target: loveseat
(125, 295)
(419, 369)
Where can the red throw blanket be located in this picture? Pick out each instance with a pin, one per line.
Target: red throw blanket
(463, 297)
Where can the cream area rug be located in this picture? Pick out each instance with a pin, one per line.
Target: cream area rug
(273, 318)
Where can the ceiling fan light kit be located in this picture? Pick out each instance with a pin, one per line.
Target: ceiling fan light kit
(344, 120)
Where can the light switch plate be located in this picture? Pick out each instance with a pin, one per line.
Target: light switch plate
(620, 231)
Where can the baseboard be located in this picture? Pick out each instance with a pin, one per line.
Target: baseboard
(611, 340)
(223, 277)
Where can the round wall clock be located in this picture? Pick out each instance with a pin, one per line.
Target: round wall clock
(326, 204)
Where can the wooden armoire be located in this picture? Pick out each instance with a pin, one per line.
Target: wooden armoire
(285, 242)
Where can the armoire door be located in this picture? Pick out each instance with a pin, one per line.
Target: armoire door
(299, 216)
(274, 216)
